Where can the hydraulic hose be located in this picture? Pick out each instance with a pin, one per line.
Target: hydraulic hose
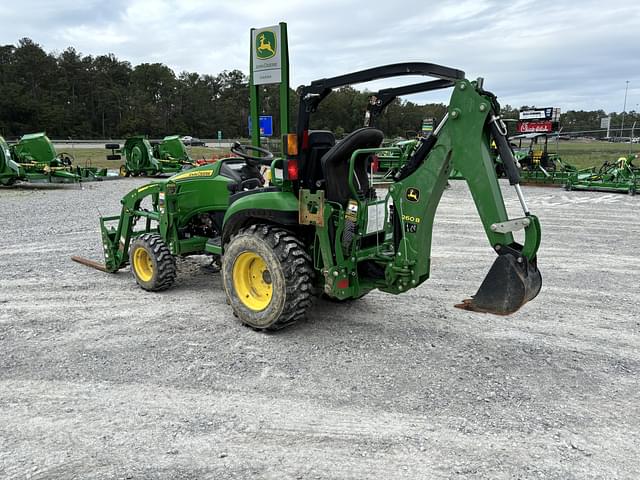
(499, 133)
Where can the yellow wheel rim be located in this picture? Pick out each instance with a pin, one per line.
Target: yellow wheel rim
(252, 281)
(123, 171)
(142, 264)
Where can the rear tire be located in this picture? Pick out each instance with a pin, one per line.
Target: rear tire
(267, 276)
(152, 264)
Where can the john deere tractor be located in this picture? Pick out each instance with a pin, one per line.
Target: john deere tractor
(144, 158)
(537, 164)
(320, 228)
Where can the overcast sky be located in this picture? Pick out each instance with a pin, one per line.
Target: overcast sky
(570, 54)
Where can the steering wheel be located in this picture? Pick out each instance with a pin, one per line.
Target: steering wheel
(265, 157)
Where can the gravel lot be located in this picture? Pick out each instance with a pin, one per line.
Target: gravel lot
(99, 379)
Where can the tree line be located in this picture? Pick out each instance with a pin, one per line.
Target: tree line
(70, 95)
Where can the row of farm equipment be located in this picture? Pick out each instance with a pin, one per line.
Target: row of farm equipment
(537, 166)
(541, 167)
(34, 159)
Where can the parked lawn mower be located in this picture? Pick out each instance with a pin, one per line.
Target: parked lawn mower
(142, 158)
(34, 159)
(613, 176)
(320, 228)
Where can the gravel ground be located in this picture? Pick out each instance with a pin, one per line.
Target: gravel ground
(99, 379)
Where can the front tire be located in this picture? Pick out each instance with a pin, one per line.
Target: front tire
(152, 264)
(267, 276)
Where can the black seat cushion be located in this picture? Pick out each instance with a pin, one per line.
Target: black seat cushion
(335, 164)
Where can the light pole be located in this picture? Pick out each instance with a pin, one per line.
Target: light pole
(624, 108)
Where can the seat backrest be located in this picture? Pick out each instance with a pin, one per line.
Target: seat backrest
(335, 164)
(320, 142)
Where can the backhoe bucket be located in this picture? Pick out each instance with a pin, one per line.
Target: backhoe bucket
(508, 285)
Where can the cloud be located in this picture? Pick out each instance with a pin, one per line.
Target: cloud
(576, 55)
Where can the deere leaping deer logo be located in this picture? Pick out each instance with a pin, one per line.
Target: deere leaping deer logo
(266, 45)
(413, 194)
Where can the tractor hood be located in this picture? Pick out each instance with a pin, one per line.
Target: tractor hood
(209, 170)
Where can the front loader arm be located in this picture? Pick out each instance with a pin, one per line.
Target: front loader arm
(461, 141)
(116, 239)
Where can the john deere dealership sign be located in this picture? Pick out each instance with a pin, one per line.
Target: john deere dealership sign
(266, 57)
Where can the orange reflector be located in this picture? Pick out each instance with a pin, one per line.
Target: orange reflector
(292, 144)
(375, 164)
(344, 283)
(292, 169)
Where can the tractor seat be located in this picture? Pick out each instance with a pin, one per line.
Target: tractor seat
(320, 142)
(243, 176)
(335, 164)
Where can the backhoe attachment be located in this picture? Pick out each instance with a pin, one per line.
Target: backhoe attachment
(514, 278)
(461, 142)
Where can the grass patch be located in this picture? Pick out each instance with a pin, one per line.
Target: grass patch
(585, 154)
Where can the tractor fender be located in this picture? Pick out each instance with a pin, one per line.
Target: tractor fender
(280, 208)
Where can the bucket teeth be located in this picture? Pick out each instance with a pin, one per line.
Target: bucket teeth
(510, 283)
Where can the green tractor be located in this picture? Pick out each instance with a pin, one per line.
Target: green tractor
(613, 176)
(538, 165)
(320, 228)
(35, 159)
(144, 158)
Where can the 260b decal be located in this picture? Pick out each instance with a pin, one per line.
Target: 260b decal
(411, 218)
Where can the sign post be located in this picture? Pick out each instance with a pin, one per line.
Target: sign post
(269, 65)
(605, 122)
